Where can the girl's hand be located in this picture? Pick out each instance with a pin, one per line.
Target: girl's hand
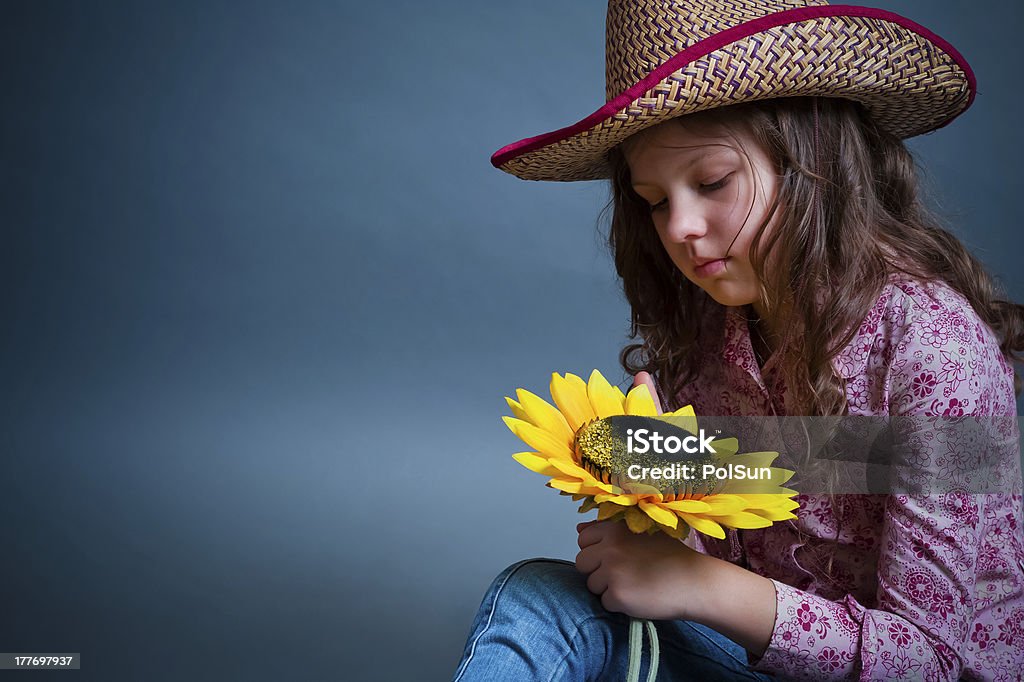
(644, 576)
(646, 378)
(657, 578)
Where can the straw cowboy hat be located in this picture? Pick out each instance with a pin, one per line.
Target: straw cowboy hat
(666, 58)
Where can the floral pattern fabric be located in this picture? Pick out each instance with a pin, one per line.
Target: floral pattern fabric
(906, 586)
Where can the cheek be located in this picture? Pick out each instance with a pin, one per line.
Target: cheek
(658, 225)
(773, 257)
(666, 245)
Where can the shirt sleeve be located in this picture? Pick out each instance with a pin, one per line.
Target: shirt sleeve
(923, 570)
(930, 538)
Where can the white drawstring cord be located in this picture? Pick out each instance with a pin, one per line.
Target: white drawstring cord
(636, 649)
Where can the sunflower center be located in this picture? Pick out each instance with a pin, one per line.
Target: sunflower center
(603, 448)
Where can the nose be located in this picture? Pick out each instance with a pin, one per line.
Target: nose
(685, 223)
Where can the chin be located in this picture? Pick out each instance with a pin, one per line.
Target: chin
(728, 297)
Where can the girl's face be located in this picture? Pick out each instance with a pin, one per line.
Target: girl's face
(707, 202)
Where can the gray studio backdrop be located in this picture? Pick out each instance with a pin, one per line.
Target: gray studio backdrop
(263, 295)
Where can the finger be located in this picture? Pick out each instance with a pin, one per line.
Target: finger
(646, 378)
(581, 526)
(597, 582)
(588, 560)
(591, 535)
(612, 602)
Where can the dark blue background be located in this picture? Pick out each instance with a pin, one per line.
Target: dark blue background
(262, 294)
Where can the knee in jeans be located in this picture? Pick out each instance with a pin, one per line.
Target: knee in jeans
(545, 582)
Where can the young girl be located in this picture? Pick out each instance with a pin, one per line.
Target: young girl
(777, 260)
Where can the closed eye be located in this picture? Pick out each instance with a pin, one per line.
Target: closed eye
(714, 186)
(706, 189)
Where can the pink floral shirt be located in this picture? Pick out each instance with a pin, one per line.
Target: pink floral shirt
(927, 587)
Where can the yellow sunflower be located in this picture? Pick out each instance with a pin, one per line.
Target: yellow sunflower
(580, 445)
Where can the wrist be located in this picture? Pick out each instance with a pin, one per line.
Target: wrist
(700, 598)
(738, 603)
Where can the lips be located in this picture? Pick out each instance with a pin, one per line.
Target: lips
(708, 267)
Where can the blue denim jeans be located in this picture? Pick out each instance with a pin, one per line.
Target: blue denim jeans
(539, 622)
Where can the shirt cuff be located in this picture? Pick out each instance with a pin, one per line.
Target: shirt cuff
(813, 638)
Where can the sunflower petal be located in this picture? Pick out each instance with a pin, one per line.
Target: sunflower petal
(603, 399)
(637, 488)
(566, 485)
(753, 460)
(569, 468)
(684, 418)
(640, 402)
(724, 504)
(535, 462)
(777, 508)
(568, 471)
(659, 514)
(517, 409)
(608, 510)
(544, 415)
(781, 476)
(538, 439)
(637, 521)
(743, 520)
(775, 514)
(788, 505)
(688, 506)
(576, 381)
(770, 501)
(570, 394)
(622, 500)
(726, 447)
(703, 525)
(679, 532)
(751, 486)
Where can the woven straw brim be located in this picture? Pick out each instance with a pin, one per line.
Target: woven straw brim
(910, 80)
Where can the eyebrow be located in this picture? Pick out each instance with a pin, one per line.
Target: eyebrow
(694, 159)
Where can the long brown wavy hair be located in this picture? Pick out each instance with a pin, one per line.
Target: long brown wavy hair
(850, 215)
